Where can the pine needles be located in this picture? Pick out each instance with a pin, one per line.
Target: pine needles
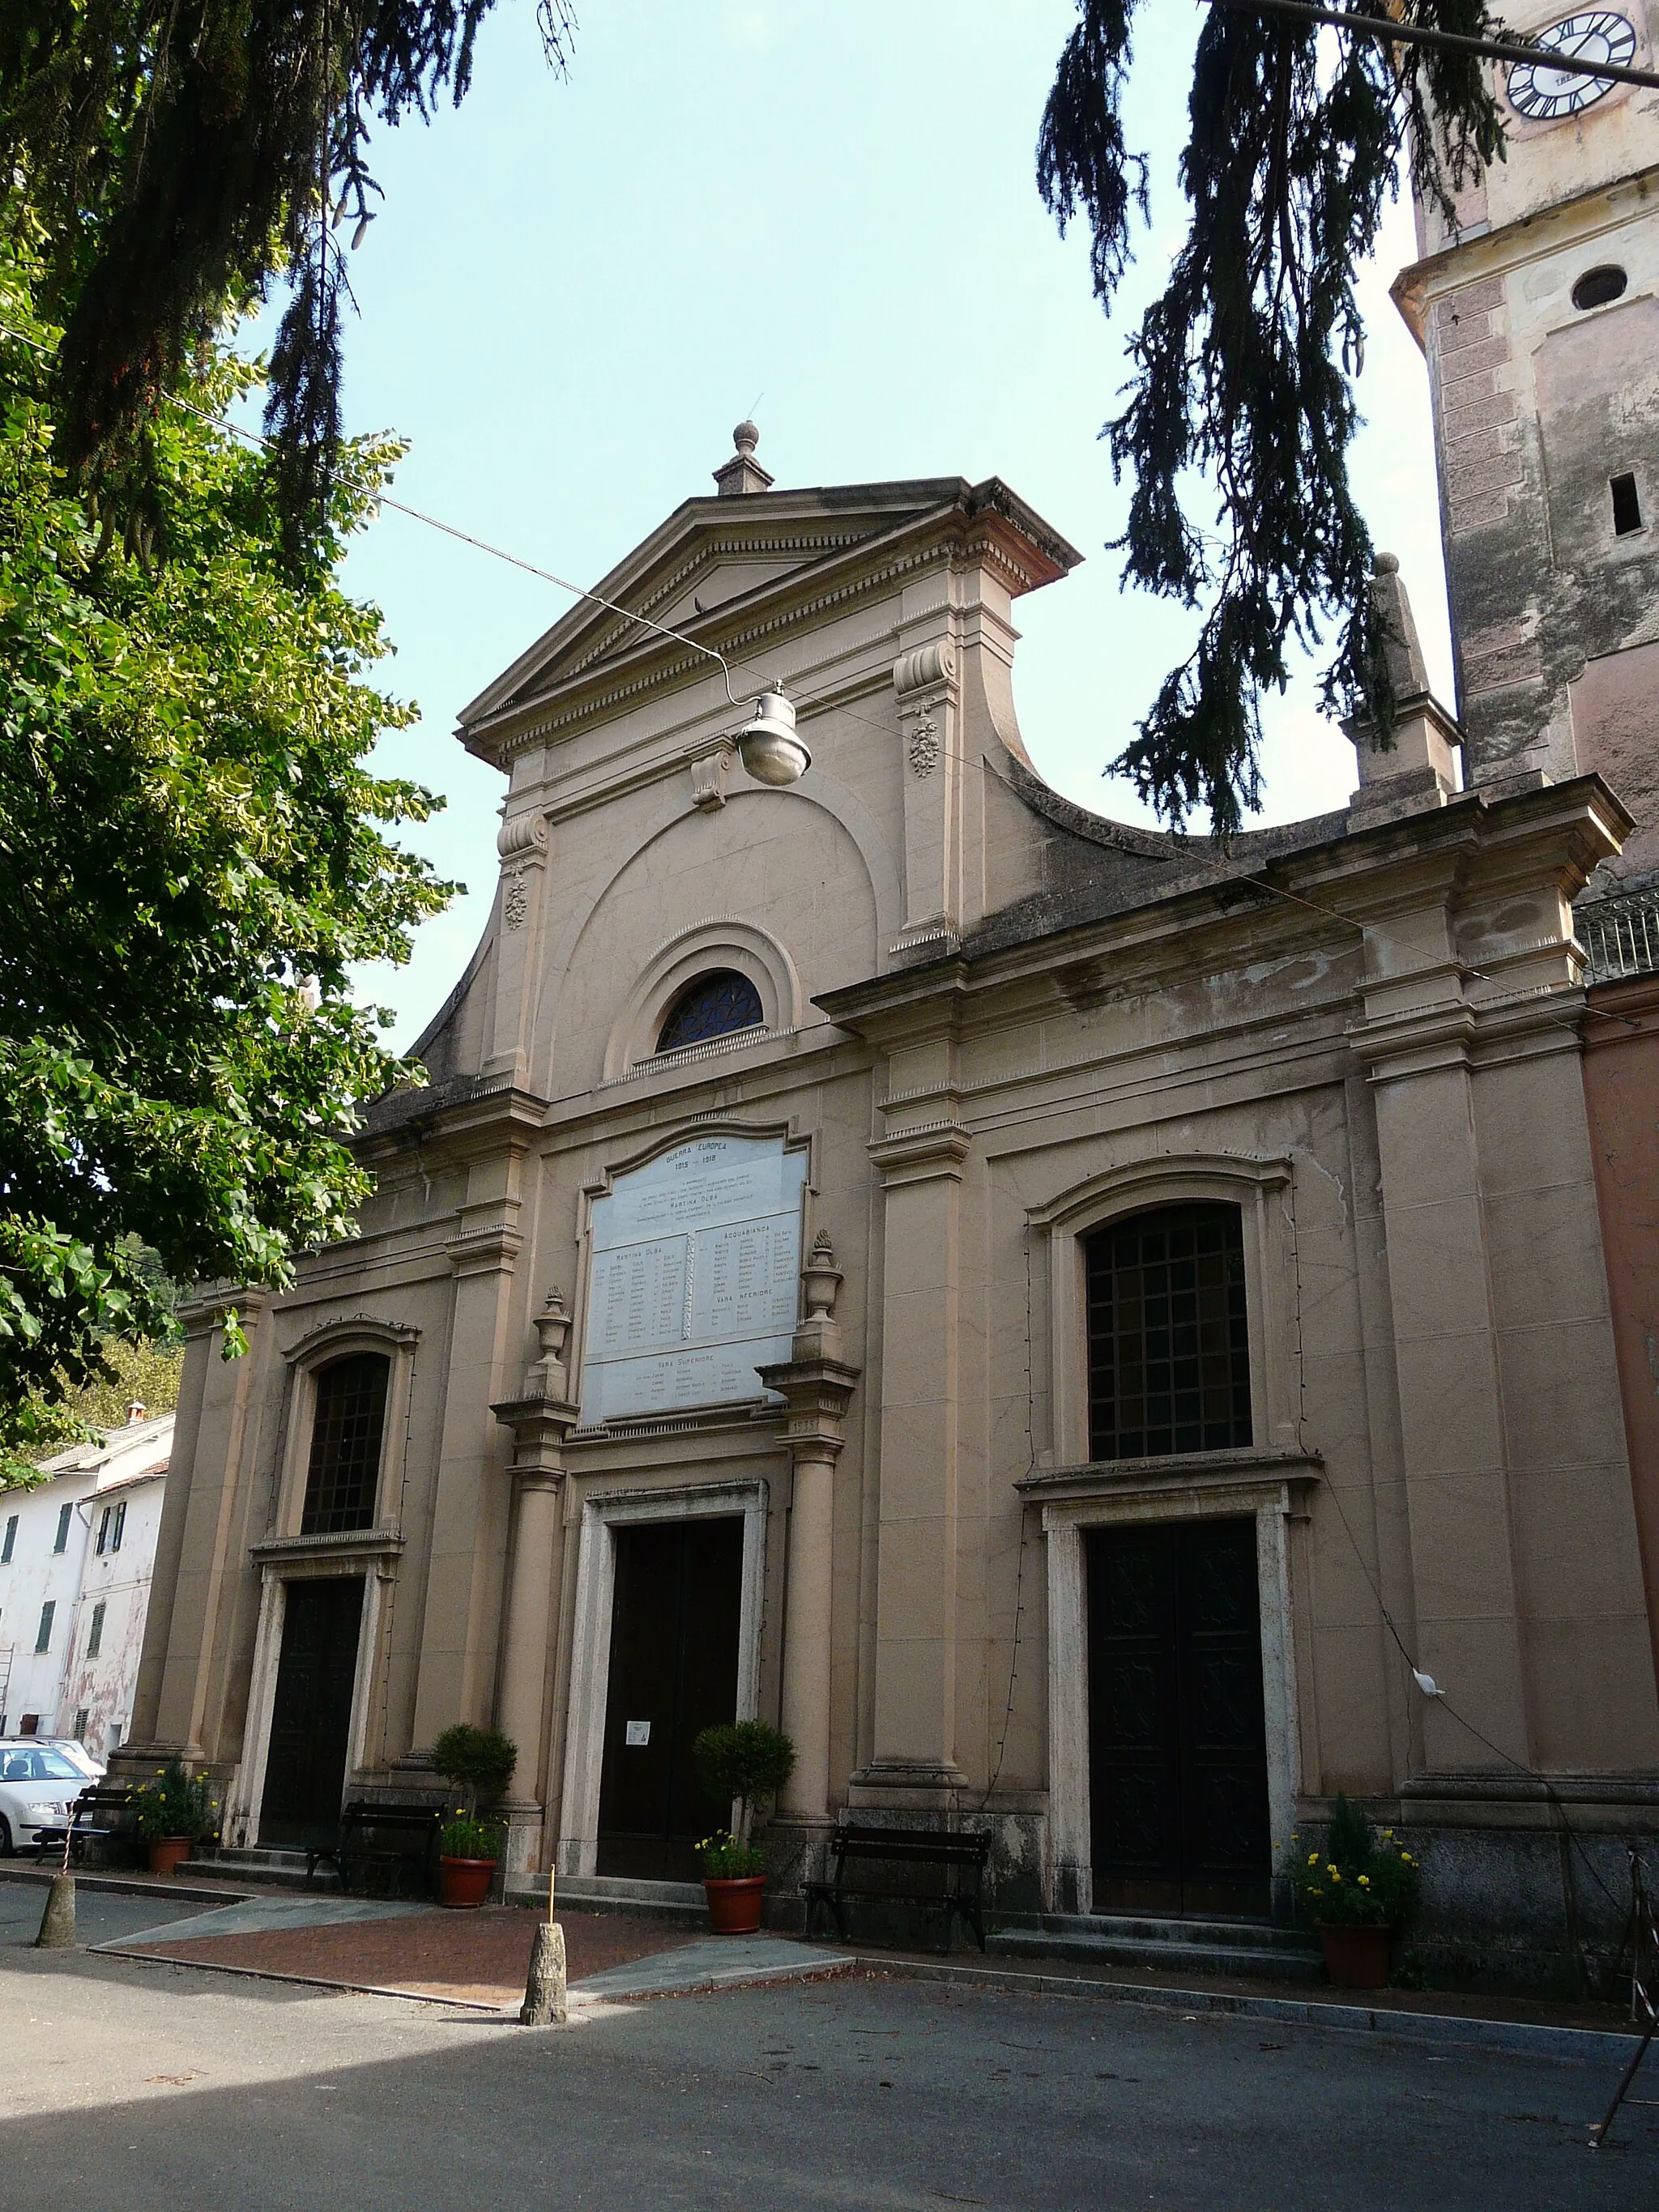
(1243, 368)
(182, 156)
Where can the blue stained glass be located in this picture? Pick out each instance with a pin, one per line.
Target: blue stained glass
(712, 1006)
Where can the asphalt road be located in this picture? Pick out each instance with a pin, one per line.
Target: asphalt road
(162, 2088)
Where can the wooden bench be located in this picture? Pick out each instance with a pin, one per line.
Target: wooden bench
(85, 1824)
(958, 1859)
(358, 1852)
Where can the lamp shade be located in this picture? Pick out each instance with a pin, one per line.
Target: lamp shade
(772, 752)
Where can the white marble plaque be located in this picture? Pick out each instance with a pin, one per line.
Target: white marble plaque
(696, 1272)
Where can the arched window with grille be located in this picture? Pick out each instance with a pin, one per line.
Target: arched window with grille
(1167, 1333)
(713, 1006)
(343, 1473)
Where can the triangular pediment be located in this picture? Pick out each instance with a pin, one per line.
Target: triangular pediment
(707, 571)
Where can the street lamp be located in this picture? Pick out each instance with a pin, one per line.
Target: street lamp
(771, 750)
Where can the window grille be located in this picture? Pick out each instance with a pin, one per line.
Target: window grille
(712, 1006)
(43, 1639)
(345, 1446)
(95, 1635)
(1169, 1334)
(1621, 935)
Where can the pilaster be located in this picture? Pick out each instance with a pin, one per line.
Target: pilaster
(921, 1165)
(540, 1420)
(198, 1549)
(818, 1385)
(458, 1641)
(521, 841)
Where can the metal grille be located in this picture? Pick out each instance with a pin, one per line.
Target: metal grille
(713, 1006)
(1621, 935)
(345, 1446)
(1169, 1337)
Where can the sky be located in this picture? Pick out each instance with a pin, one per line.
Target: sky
(825, 218)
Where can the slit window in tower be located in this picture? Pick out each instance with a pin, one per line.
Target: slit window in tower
(1626, 505)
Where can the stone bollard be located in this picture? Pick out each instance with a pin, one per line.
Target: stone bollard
(58, 1921)
(543, 2002)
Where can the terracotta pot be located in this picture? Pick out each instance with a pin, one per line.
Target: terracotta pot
(734, 1906)
(168, 1853)
(1356, 1957)
(467, 1881)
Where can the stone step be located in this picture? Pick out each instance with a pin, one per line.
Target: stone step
(1165, 1928)
(605, 1892)
(286, 1870)
(1255, 1949)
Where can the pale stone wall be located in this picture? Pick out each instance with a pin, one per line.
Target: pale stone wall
(993, 1022)
(1539, 404)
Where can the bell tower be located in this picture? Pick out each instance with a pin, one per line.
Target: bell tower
(1538, 311)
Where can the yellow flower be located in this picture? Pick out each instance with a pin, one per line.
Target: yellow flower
(1364, 1881)
(1313, 1858)
(1388, 1833)
(1336, 1874)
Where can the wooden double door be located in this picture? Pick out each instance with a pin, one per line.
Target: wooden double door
(311, 1714)
(1178, 1748)
(674, 1627)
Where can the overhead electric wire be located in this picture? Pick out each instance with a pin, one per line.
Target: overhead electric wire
(1422, 34)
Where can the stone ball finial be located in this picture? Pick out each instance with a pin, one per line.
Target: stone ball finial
(1386, 564)
(745, 438)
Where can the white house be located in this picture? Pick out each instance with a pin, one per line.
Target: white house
(75, 1560)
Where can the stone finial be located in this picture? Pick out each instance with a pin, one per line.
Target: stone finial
(743, 472)
(822, 1278)
(1408, 672)
(1414, 768)
(546, 1379)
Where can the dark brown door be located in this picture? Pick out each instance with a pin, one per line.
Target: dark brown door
(673, 1673)
(311, 1715)
(1178, 1761)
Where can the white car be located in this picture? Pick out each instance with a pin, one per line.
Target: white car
(39, 1784)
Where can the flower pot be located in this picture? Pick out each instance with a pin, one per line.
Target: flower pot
(168, 1853)
(467, 1881)
(1356, 1957)
(734, 1906)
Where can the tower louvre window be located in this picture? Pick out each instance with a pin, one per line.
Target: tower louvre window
(1626, 504)
(1597, 286)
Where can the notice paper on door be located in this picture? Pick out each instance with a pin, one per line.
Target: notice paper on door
(639, 1732)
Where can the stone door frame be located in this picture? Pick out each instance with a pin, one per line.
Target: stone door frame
(371, 1554)
(1269, 1486)
(602, 1514)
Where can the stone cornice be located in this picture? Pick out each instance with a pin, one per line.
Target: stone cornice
(349, 1544)
(1178, 1471)
(923, 1154)
(210, 1309)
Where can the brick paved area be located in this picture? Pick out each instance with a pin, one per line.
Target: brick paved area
(481, 1955)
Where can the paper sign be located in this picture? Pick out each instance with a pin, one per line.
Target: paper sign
(639, 1732)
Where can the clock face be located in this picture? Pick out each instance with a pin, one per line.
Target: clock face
(1542, 93)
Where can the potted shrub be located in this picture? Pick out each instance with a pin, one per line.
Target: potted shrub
(480, 1762)
(171, 1814)
(1355, 1891)
(468, 1849)
(741, 1762)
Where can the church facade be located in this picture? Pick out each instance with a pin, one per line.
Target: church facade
(1069, 1324)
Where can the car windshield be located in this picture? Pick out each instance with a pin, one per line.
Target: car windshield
(37, 1767)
